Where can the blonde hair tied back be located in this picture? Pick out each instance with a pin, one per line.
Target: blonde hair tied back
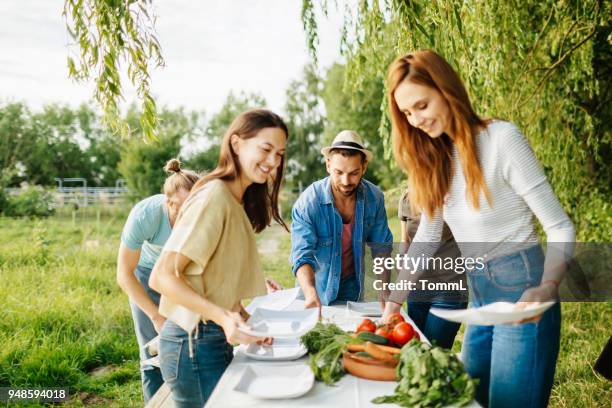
(173, 166)
(178, 179)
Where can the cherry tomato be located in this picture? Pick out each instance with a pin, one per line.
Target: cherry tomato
(366, 325)
(394, 319)
(402, 333)
(384, 331)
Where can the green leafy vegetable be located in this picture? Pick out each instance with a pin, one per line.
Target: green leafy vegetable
(320, 336)
(430, 377)
(326, 343)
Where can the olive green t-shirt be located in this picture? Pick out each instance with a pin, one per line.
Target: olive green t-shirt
(214, 231)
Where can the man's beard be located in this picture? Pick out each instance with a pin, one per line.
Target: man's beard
(346, 192)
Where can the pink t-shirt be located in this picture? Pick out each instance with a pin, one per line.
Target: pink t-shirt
(348, 265)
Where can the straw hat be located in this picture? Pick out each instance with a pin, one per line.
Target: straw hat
(348, 139)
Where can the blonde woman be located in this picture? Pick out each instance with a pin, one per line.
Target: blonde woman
(145, 232)
(481, 177)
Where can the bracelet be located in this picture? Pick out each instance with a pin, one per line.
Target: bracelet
(554, 282)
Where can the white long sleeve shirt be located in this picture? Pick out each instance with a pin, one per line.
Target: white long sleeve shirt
(519, 190)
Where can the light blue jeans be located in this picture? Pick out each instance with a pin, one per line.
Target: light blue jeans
(515, 364)
(192, 379)
(145, 331)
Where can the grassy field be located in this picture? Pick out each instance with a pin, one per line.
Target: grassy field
(65, 322)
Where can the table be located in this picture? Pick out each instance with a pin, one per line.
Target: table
(348, 392)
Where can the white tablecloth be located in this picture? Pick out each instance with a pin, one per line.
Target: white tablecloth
(348, 392)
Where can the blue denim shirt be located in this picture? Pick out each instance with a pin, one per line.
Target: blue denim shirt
(316, 234)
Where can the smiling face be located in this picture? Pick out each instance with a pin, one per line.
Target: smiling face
(345, 173)
(260, 155)
(424, 107)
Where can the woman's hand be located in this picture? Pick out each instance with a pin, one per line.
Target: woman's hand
(546, 292)
(390, 308)
(272, 285)
(158, 321)
(231, 323)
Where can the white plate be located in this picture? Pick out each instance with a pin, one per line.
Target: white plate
(491, 314)
(281, 349)
(281, 323)
(275, 382)
(366, 309)
(279, 300)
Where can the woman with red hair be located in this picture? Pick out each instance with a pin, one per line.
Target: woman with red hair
(481, 177)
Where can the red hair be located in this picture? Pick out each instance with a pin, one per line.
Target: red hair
(427, 160)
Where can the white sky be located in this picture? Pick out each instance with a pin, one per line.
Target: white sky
(210, 47)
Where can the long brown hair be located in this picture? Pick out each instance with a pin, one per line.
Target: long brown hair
(428, 160)
(260, 204)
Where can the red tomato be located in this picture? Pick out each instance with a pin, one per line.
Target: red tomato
(417, 336)
(402, 333)
(384, 331)
(395, 318)
(366, 325)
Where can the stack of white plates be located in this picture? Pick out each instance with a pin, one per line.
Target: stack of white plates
(286, 327)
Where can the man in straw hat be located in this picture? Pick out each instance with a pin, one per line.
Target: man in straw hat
(332, 219)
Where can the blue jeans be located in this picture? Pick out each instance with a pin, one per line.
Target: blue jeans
(193, 379)
(348, 290)
(145, 331)
(437, 330)
(514, 363)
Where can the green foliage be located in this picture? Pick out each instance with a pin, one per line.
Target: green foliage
(358, 108)
(544, 65)
(58, 141)
(31, 202)
(206, 159)
(306, 123)
(108, 33)
(142, 163)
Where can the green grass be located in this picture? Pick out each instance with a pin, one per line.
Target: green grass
(63, 316)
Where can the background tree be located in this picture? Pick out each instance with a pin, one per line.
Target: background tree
(142, 163)
(544, 65)
(207, 144)
(14, 135)
(358, 108)
(306, 122)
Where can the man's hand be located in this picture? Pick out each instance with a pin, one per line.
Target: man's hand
(312, 301)
(390, 308)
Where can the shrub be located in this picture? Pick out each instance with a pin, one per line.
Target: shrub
(31, 202)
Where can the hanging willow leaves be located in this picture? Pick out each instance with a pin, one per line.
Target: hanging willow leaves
(108, 33)
(545, 65)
